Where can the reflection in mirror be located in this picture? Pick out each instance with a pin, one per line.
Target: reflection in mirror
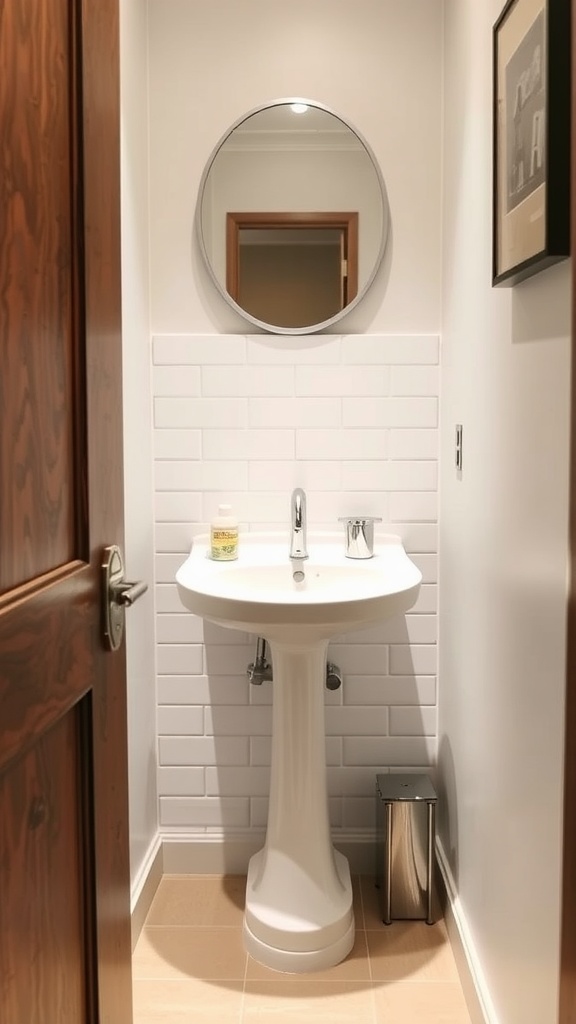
(292, 218)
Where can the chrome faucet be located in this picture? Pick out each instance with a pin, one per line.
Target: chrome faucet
(298, 534)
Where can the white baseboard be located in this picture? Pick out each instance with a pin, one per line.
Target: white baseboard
(145, 885)
(207, 854)
(474, 986)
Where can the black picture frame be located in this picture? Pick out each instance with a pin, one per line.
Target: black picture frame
(531, 138)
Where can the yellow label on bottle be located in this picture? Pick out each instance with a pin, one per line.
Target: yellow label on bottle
(224, 544)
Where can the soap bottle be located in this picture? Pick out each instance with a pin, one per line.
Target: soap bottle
(224, 535)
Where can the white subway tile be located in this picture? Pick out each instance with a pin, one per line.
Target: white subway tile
(335, 812)
(223, 811)
(215, 635)
(427, 599)
(410, 689)
(200, 476)
(179, 659)
(202, 690)
(412, 475)
(390, 412)
(167, 598)
(181, 781)
(417, 505)
(295, 349)
(237, 781)
(365, 475)
(261, 694)
(351, 781)
(418, 538)
(177, 444)
(180, 721)
(385, 751)
(408, 628)
(341, 444)
(200, 412)
(260, 750)
(360, 659)
(247, 380)
(177, 507)
(406, 443)
(173, 538)
(166, 567)
(295, 412)
(428, 565)
(358, 812)
(342, 380)
(203, 750)
(390, 348)
(413, 721)
(168, 381)
(248, 444)
(355, 721)
(238, 721)
(179, 629)
(413, 659)
(258, 812)
(186, 349)
(228, 659)
(272, 476)
(254, 507)
(415, 380)
(405, 628)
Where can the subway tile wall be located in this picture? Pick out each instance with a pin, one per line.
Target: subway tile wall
(354, 420)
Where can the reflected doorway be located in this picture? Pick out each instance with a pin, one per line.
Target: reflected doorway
(292, 269)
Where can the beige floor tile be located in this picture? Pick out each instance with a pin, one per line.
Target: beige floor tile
(422, 1002)
(354, 968)
(308, 1001)
(411, 951)
(187, 1002)
(210, 953)
(199, 900)
(370, 897)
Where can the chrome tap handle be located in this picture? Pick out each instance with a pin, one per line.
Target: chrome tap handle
(359, 535)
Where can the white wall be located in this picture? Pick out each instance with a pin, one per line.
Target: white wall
(138, 498)
(352, 418)
(503, 562)
(377, 63)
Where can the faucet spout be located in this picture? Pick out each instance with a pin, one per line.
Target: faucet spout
(298, 532)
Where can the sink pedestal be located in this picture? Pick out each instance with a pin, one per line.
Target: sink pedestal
(299, 897)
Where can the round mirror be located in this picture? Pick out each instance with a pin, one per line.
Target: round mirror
(292, 217)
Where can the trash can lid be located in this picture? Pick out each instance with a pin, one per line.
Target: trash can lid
(405, 786)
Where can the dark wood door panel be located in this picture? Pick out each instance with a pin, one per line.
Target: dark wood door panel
(46, 665)
(38, 275)
(42, 946)
(64, 867)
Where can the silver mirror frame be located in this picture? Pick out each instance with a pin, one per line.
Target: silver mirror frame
(273, 328)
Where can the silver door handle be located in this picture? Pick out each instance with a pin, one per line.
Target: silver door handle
(117, 595)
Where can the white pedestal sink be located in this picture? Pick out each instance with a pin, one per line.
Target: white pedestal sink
(298, 913)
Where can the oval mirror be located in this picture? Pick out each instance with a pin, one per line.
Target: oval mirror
(292, 217)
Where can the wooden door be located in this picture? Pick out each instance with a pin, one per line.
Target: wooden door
(64, 873)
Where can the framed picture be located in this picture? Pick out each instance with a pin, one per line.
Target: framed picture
(531, 220)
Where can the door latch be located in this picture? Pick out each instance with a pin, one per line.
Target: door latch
(117, 595)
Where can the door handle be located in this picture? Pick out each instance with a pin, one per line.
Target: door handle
(117, 595)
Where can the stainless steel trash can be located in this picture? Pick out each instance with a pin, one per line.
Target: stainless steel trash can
(405, 829)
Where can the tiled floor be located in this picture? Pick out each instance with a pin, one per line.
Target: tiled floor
(190, 966)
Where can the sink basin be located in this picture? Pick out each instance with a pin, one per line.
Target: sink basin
(257, 592)
(299, 909)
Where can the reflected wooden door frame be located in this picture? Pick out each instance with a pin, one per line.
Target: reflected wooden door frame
(346, 222)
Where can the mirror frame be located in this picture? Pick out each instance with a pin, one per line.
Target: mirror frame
(274, 328)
